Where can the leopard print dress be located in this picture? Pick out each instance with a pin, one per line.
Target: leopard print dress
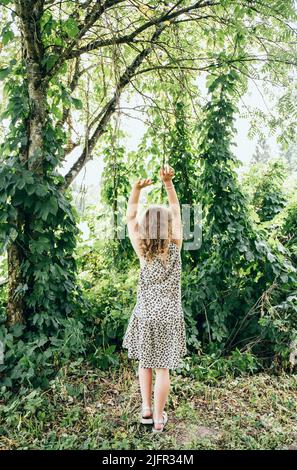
(156, 330)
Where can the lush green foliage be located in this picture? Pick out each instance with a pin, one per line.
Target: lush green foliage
(289, 228)
(114, 194)
(238, 289)
(265, 182)
(48, 238)
(107, 301)
(237, 263)
(87, 408)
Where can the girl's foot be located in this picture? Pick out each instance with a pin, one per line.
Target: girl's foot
(146, 415)
(159, 424)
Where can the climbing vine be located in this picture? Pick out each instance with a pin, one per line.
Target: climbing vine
(114, 192)
(236, 263)
(269, 198)
(46, 232)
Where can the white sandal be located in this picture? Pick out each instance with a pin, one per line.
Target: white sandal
(146, 420)
(161, 421)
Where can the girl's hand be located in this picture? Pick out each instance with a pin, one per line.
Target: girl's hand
(166, 173)
(142, 183)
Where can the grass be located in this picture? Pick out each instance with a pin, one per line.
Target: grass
(93, 409)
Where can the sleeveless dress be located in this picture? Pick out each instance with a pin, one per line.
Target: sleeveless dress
(156, 330)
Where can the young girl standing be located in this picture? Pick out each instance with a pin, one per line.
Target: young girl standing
(156, 331)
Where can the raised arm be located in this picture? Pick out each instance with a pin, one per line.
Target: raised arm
(132, 208)
(166, 174)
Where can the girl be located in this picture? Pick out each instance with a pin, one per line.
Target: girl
(156, 331)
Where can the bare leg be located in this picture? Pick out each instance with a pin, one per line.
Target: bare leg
(146, 385)
(161, 391)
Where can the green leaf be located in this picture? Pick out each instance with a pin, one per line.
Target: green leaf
(17, 330)
(41, 190)
(6, 382)
(40, 245)
(30, 189)
(77, 103)
(4, 72)
(71, 27)
(50, 61)
(49, 206)
(53, 205)
(7, 36)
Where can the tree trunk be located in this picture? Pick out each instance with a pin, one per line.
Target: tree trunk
(29, 14)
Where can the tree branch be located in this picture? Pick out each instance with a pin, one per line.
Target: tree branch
(69, 53)
(73, 84)
(130, 37)
(97, 10)
(105, 115)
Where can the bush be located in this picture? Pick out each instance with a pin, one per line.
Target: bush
(212, 367)
(279, 324)
(289, 228)
(32, 357)
(108, 303)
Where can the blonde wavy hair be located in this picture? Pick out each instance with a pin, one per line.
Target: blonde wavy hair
(155, 232)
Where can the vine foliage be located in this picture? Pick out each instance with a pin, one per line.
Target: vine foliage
(236, 261)
(39, 218)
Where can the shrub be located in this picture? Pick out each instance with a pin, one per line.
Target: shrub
(279, 324)
(212, 367)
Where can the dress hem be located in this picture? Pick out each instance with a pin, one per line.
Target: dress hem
(154, 366)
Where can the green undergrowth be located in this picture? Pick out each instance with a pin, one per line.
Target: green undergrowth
(89, 408)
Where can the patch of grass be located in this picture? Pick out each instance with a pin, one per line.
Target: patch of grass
(93, 409)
